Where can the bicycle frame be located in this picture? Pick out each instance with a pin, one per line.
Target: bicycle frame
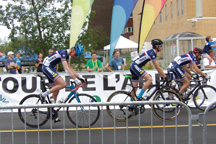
(158, 86)
(72, 94)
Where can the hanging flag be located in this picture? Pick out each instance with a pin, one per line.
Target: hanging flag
(80, 9)
(150, 11)
(122, 10)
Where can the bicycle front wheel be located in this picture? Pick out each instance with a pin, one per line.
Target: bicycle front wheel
(83, 116)
(167, 112)
(120, 112)
(201, 96)
(33, 117)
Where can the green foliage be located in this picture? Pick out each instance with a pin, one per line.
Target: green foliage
(40, 23)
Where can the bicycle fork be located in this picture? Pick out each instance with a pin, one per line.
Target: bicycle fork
(78, 100)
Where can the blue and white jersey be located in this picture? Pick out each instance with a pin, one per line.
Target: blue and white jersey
(185, 59)
(56, 57)
(145, 57)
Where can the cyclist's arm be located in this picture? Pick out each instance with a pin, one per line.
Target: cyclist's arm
(68, 69)
(158, 68)
(198, 71)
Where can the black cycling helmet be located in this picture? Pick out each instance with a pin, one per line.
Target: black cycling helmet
(198, 50)
(156, 42)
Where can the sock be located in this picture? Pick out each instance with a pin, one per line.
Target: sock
(141, 93)
(45, 93)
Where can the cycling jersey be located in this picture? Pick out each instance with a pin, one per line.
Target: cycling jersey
(136, 66)
(50, 62)
(185, 59)
(147, 56)
(56, 57)
(175, 66)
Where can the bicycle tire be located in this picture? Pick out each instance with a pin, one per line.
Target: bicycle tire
(85, 116)
(188, 101)
(201, 95)
(120, 112)
(29, 116)
(172, 111)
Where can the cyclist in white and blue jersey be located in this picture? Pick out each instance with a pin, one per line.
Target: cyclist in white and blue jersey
(136, 66)
(178, 68)
(55, 80)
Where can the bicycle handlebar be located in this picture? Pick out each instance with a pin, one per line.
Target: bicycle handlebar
(76, 87)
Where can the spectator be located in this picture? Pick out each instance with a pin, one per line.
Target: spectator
(57, 66)
(10, 63)
(206, 61)
(117, 63)
(39, 62)
(211, 42)
(94, 64)
(17, 58)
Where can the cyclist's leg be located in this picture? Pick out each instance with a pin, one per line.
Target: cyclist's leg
(182, 75)
(139, 72)
(56, 81)
(59, 84)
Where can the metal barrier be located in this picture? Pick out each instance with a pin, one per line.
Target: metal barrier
(109, 130)
(204, 116)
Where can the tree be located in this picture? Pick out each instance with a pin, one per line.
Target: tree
(43, 23)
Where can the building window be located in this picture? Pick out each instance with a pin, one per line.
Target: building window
(171, 5)
(160, 16)
(127, 30)
(182, 7)
(166, 12)
(177, 1)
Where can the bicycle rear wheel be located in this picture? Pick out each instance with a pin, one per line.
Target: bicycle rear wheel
(201, 97)
(167, 112)
(83, 116)
(33, 117)
(120, 112)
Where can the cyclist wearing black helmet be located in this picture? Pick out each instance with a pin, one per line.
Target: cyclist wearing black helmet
(136, 66)
(178, 68)
(55, 80)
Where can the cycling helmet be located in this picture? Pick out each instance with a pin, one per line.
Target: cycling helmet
(198, 50)
(79, 49)
(156, 42)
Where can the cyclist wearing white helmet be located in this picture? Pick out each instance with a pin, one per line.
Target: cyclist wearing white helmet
(136, 66)
(55, 80)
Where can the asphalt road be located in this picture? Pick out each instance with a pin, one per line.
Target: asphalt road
(107, 131)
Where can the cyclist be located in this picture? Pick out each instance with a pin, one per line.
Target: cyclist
(178, 68)
(136, 66)
(55, 80)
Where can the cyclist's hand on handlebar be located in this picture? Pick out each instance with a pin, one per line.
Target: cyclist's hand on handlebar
(77, 81)
(82, 79)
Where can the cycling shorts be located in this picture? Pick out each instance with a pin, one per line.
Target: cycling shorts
(176, 70)
(136, 72)
(50, 73)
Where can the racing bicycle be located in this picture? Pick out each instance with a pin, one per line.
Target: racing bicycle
(83, 116)
(124, 112)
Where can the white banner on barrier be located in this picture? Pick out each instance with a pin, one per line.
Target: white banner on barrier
(100, 85)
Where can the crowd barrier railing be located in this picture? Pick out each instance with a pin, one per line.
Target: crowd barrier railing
(144, 128)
